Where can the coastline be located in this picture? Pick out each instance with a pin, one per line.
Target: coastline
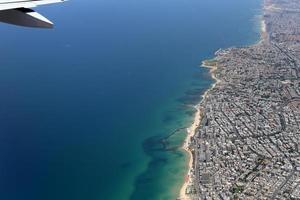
(191, 131)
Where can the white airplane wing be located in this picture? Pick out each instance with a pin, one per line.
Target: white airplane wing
(19, 12)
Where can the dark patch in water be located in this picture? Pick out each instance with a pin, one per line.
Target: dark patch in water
(156, 147)
(143, 180)
(152, 144)
(159, 143)
(157, 161)
(192, 97)
(167, 118)
(126, 165)
(160, 147)
(190, 112)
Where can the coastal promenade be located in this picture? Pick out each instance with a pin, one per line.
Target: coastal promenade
(245, 141)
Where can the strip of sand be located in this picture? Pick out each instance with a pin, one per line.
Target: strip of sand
(191, 131)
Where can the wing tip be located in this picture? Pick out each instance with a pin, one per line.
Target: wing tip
(25, 17)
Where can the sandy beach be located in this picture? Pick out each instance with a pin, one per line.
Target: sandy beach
(191, 131)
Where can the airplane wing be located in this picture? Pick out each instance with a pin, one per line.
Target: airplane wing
(19, 12)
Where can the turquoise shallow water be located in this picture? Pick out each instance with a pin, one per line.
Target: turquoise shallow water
(89, 110)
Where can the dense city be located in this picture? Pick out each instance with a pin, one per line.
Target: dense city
(247, 144)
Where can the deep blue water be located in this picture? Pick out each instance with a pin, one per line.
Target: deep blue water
(82, 104)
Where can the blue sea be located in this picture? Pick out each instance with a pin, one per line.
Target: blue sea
(96, 108)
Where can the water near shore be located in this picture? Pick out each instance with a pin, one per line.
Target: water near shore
(98, 107)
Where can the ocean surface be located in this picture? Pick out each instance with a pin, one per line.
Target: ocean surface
(96, 109)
